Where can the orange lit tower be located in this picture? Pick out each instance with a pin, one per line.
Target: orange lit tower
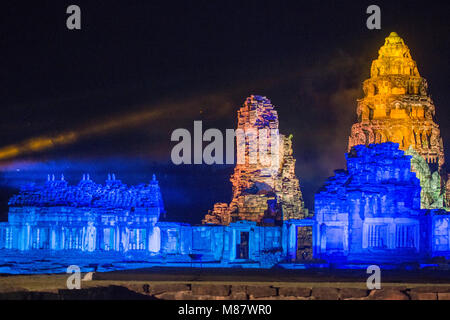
(264, 193)
(396, 107)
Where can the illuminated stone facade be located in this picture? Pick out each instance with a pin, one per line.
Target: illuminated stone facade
(397, 107)
(264, 192)
(86, 217)
(118, 220)
(371, 212)
(386, 207)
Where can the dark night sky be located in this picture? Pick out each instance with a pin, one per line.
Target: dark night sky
(196, 60)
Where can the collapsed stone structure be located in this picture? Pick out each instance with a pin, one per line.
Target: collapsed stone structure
(397, 107)
(264, 192)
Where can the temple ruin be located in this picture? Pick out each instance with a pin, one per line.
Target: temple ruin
(386, 207)
(266, 193)
(397, 108)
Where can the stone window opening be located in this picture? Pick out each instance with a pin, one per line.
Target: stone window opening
(405, 236)
(377, 236)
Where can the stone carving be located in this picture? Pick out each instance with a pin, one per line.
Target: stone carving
(87, 216)
(114, 194)
(396, 107)
(265, 193)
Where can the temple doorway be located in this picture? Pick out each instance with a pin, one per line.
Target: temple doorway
(304, 243)
(242, 245)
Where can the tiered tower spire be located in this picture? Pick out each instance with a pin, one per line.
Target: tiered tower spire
(396, 107)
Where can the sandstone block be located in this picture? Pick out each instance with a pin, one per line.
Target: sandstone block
(423, 296)
(294, 291)
(387, 294)
(170, 287)
(211, 289)
(443, 295)
(261, 291)
(352, 293)
(238, 288)
(325, 293)
(238, 296)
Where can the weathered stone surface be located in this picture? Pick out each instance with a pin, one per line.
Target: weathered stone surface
(243, 292)
(174, 287)
(322, 293)
(294, 291)
(87, 193)
(238, 288)
(422, 289)
(138, 290)
(280, 298)
(211, 289)
(292, 298)
(145, 288)
(397, 107)
(95, 213)
(432, 195)
(423, 295)
(188, 295)
(263, 191)
(170, 296)
(366, 200)
(387, 294)
(238, 296)
(443, 295)
(261, 291)
(352, 293)
(111, 292)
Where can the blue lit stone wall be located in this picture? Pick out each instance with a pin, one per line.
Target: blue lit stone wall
(371, 212)
(242, 241)
(114, 217)
(86, 217)
(441, 234)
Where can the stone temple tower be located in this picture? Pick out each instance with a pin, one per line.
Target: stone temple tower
(396, 107)
(266, 192)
